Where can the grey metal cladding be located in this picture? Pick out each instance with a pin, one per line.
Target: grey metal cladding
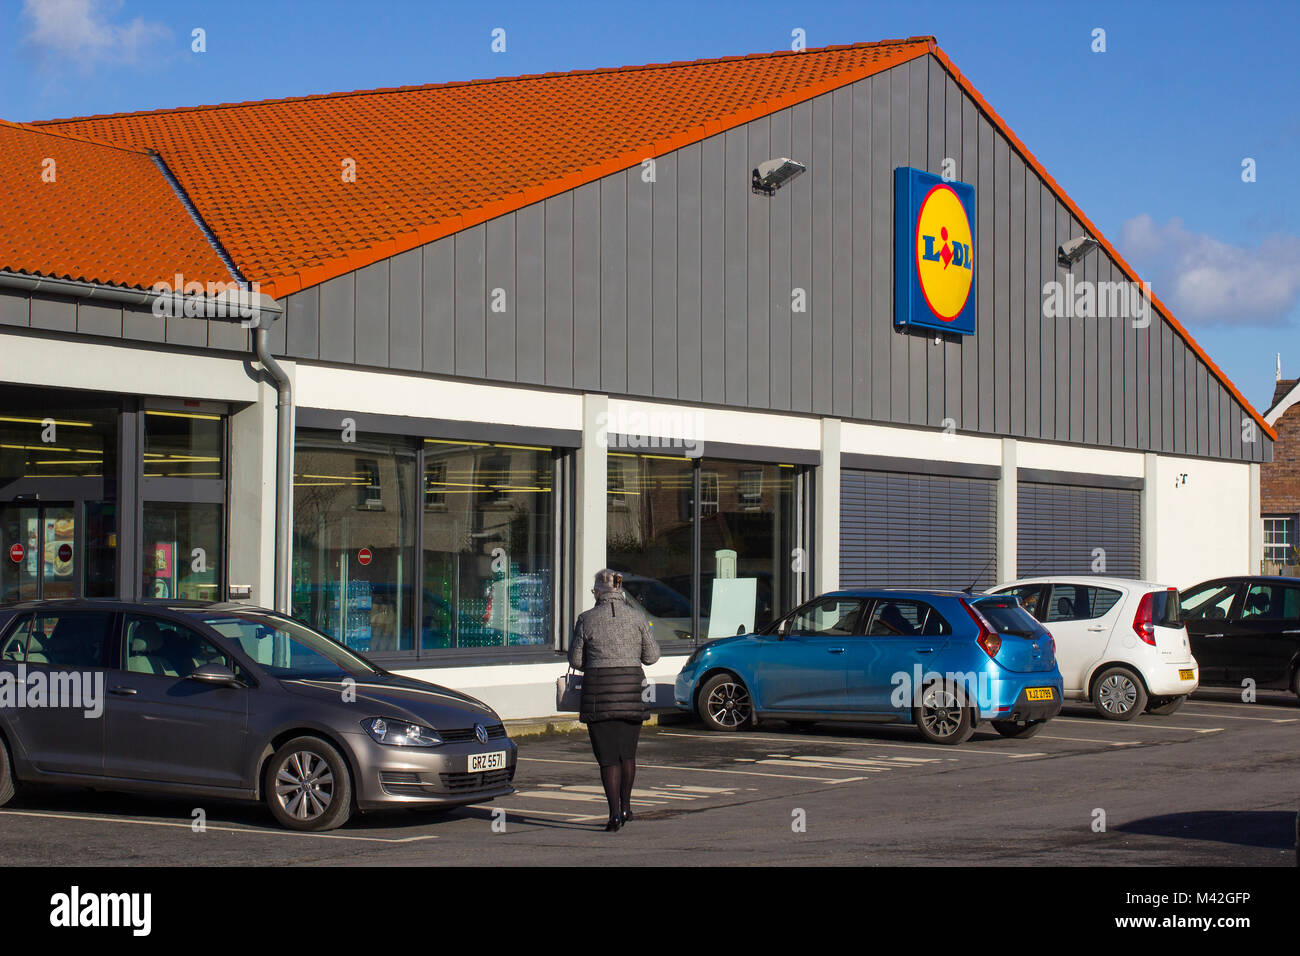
(372, 328)
(684, 285)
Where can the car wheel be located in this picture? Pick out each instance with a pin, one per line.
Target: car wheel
(8, 785)
(1009, 728)
(942, 718)
(307, 786)
(1119, 694)
(725, 703)
(1164, 706)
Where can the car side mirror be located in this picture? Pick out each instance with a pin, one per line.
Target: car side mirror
(215, 674)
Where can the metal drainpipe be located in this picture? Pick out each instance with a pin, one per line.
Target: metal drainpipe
(283, 471)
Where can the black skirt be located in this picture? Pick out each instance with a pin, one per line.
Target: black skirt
(614, 741)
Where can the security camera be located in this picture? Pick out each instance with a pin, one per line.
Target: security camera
(1073, 250)
(772, 174)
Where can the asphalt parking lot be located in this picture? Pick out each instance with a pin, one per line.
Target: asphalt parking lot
(1214, 783)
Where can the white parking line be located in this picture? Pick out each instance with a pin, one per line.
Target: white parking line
(839, 742)
(742, 773)
(187, 826)
(1093, 740)
(544, 813)
(1146, 725)
(1184, 712)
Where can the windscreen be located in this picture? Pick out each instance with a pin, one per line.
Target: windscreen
(286, 648)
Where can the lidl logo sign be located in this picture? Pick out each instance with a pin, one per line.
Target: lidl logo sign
(934, 261)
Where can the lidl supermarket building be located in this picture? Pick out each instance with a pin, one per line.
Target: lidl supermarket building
(507, 332)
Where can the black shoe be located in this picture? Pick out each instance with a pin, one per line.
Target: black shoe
(615, 823)
(627, 816)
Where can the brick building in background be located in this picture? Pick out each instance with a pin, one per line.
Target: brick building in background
(1279, 480)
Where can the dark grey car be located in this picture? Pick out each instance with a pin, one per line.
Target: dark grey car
(230, 701)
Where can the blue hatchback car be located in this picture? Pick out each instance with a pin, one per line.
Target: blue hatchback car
(943, 660)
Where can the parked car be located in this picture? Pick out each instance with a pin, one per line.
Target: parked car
(236, 702)
(1246, 628)
(667, 610)
(943, 660)
(1119, 643)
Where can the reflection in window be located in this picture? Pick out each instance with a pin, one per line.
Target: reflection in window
(488, 544)
(648, 532)
(182, 551)
(746, 531)
(354, 539)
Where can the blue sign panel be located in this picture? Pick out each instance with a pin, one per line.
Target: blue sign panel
(934, 253)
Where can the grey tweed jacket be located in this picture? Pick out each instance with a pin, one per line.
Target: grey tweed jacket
(612, 634)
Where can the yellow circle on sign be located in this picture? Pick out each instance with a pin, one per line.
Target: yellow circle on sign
(944, 253)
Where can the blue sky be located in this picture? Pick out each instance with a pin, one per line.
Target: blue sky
(1148, 137)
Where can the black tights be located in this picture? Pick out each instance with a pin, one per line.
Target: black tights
(617, 780)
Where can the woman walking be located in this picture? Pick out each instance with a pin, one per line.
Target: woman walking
(610, 643)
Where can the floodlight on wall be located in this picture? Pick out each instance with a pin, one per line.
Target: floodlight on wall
(1071, 251)
(772, 174)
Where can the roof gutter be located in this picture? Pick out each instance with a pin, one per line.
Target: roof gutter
(233, 305)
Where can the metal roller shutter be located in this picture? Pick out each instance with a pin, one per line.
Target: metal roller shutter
(907, 530)
(1061, 526)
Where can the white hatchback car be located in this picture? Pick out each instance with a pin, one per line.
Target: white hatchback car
(1119, 643)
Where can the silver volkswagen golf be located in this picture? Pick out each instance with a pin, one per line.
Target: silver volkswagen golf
(232, 702)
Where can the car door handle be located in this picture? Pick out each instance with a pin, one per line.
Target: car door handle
(1293, 631)
(124, 691)
(1097, 628)
(835, 650)
(1212, 635)
(925, 650)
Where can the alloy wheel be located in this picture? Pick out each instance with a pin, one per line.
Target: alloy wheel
(728, 704)
(1117, 694)
(304, 785)
(940, 712)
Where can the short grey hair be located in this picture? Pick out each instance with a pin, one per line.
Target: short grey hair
(608, 581)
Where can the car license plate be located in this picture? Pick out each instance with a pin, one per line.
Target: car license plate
(1186, 675)
(1039, 693)
(493, 761)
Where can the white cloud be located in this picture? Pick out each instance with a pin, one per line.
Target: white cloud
(79, 32)
(1205, 280)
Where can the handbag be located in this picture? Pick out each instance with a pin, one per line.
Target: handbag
(568, 692)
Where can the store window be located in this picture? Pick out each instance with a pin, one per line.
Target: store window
(182, 550)
(183, 508)
(354, 534)
(58, 489)
(183, 444)
(748, 537)
(649, 538)
(747, 534)
(488, 545)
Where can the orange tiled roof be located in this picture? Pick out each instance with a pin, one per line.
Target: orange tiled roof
(266, 176)
(431, 160)
(108, 215)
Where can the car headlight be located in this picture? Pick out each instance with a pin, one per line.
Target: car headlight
(695, 656)
(401, 733)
